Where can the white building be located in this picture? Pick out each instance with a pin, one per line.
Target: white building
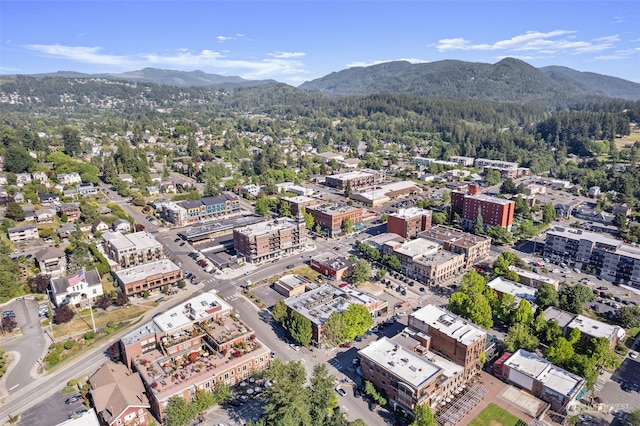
(84, 286)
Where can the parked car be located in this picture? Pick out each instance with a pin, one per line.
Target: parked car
(356, 392)
(345, 345)
(633, 354)
(603, 288)
(9, 314)
(73, 398)
(341, 391)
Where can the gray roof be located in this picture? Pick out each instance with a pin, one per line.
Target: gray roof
(49, 253)
(61, 284)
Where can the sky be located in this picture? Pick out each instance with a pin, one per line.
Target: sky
(295, 41)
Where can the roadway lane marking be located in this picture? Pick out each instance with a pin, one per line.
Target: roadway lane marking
(13, 387)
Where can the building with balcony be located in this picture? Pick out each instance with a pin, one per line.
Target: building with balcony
(266, 241)
(71, 211)
(132, 249)
(463, 161)
(437, 267)
(299, 203)
(470, 202)
(331, 217)
(475, 248)
(506, 168)
(451, 336)
(543, 379)
(192, 347)
(319, 303)
(52, 261)
(612, 259)
(332, 266)
(152, 276)
(357, 179)
(409, 222)
(23, 233)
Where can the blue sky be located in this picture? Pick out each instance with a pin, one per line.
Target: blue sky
(298, 40)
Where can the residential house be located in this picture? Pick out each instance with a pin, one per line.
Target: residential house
(69, 178)
(85, 286)
(125, 177)
(153, 190)
(594, 191)
(3, 179)
(119, 396)
(86, 189)
(23, 179)
(45, 215)
(23, 233)
(52, 261)
(65, 230)
(41, 177)
(99, 226)
(18, 197)
(168, 187)
(29, 212)
(48, 199)
(71, 211)
(70, 193)
(121, 225)
(622, 209)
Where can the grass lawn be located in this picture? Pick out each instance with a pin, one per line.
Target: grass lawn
(494, 416)
(305, 271)
(621, 143)
(80, 325)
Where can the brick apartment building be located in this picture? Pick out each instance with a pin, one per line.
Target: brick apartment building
(474, 247)
(300, 202)
(266, 241)
(495, 211)
(136, 280)
(451, 336)
(331, 217)
(409, 222)
(332, 266)
(357, 179)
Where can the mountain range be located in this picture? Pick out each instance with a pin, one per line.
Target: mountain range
(509, 80)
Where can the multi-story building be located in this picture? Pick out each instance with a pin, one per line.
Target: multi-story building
(407, 252)
(544, 380)
(409, 222)
(589, 327)
(71, 211)
(612, 259)
(300, 202)
(378, 241)
(192, 347)
(270, 240)
(519, 292)
(132, 249)
(52, 261)
(475, 248)
(506, 168)
(463, 161)
(23, 233)
(319, 303)
(83, 287)
(451, 336)
(436, 268)
(332, 266)
(357, 179)
(532, 279)
(136, 280)
(494, 211)
(197, 211)
(69, 178)
(331, 217)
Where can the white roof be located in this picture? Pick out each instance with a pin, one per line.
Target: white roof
(194, 309)
(139, 241)
(532, 275)
(418, 247)
(403, 363)
(139, 272)
(411, 212)
(447, 323)
(551, 376)
(594, 328)
(517, 290)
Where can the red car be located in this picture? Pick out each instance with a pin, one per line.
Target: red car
(343, 285)
(345, 345)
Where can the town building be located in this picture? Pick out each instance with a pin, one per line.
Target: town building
(192, 347)
(612, 259)
(119, 396)
(357, 179)
(331, 217)
(533, 279)
(507, 169)
(266, 241)
(407, 252)
(152, 276)
(332, 266)
(475, 248)
(319, 303)
(543, 379)
(291, 285)
(197, 211)
(378, 241)
(434, 268)
(132, 249)
(52, 261)
(409, 222)
(589, 327)
(380, 194)
(519, 292)
(451, 336)
(71, 211)
(494, 211)
(463, 161)
(83, 287)
(299, 202)
(23, 233)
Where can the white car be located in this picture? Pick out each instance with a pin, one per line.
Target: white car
(295, 347)
(633, 354)
(401, 314)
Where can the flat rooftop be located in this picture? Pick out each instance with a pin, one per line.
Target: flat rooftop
(140, 272)
(517, 290)
(410, 212)
(581, 234)
(418, 247)
(196, 232)
(450, 324)
(444, 234)
(138, 241)
(409, 367)
(437, 258)
(532, 275)
(383, 238)
(263, 228)
(595, 328)
(490, 199)
(350, 175)
(299, 199)
(333, 260)
(195, 309)
(332, 209)
(553, 377)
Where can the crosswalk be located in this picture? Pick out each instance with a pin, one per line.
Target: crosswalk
(599, 383)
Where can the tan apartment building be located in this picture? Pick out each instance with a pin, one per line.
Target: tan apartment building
(266, 241)
(436, 268)
(475, 248)
(297, 204)
(132, 249)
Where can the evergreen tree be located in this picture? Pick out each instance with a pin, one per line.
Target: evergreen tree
(478, 225)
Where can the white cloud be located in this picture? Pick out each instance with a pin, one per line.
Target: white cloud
(286, 55)
(377, 62)
(619, 54)
(222, 39)
(551, 42)
(86, 54)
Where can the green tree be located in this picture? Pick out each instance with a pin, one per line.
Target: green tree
(263, 207)
(279, 311)
(347, 189)
(508, 187)
(422, 416)
(505, 307)
(602, 354)
(574, 336)
(14, 212)
(287, 400)
(284, 209)
(300, 328)
(573, 298)
(478, 225)
(523, 314)
(548, 213)
(524, 230)
(539, 325)
(71, 141)
(492, 177)
(222, 393)
(633, 419)
(361, 271)
(322, 398)
(356, 320)
(333, 328)
(308, 219)
(560, 352)
(347, 225)
(381, 274)
(478, 311)
(17, 160)
(391, 261)
(202, 401)
(552, 332)
(519, 336)
(178, 412)
(584, 366)
(546, 296)
(499, 234)
(629, 316)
